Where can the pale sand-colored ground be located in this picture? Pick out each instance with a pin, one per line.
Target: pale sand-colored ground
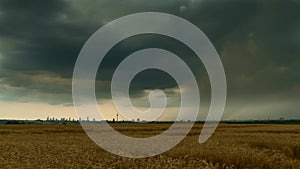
(231, 146)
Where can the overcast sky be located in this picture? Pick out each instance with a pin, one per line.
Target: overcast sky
(258, 43)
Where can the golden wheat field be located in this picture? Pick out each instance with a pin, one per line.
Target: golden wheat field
(231, 146)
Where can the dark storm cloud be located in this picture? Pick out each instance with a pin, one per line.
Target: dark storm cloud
(149, 79)
(49, 35)
(258, 42)
(261, 55)
(38, 35)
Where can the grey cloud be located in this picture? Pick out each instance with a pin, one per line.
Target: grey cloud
(258, 42)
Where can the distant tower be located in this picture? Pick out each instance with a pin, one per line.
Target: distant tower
(117, 117)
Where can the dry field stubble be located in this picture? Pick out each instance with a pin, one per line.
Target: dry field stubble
(231, 146)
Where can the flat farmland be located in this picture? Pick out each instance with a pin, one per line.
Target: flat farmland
(231, 146)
